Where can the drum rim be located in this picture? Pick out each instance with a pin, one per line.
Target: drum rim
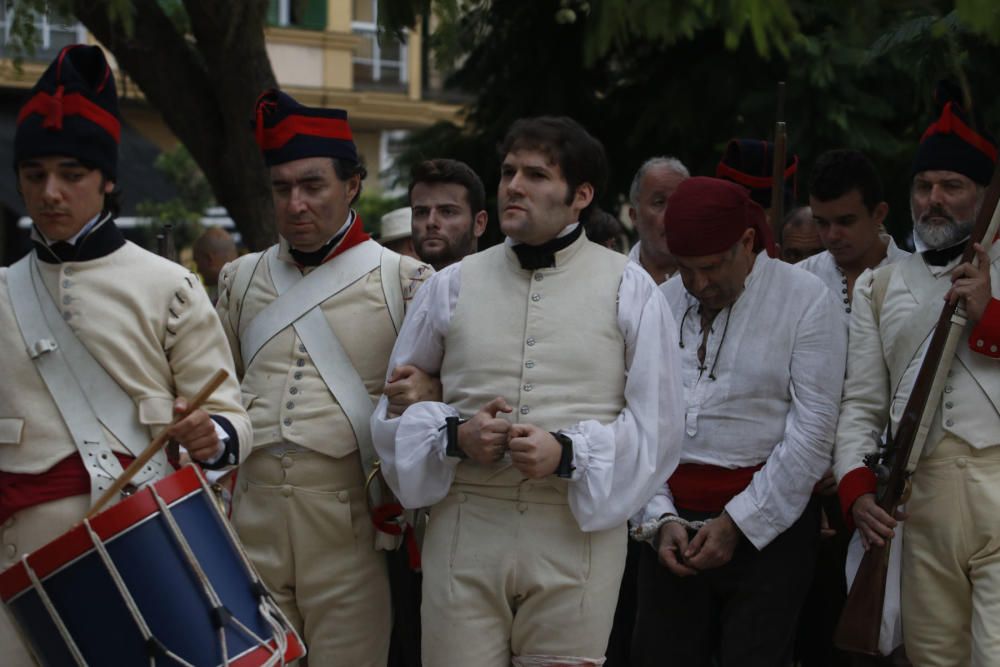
(118, 519)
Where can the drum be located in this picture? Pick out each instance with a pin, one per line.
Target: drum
(157, 579)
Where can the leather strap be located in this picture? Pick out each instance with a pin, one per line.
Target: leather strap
(304, 294)
(335, 367)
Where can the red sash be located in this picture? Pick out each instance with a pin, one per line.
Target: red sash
(706, 488)
(19, 491)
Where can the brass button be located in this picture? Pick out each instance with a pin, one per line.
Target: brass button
(286, 491)
(287, 461)
(525, 409)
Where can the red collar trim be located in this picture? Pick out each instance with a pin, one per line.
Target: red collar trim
(54, 107)
(950, 123)
(356, 235)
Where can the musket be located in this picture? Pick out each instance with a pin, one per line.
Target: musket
(165, 243)
(861, 619)
(778, 168)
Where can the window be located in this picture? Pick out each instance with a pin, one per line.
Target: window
(52, 33)
(308, 14)
(390, 146)
(379, 61)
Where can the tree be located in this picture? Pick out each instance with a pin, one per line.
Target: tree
(201, 64)
(683, 78)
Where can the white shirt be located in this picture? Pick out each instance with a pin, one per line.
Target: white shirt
(618, 466)
(633, 254)
(824, 266)
(778, 356)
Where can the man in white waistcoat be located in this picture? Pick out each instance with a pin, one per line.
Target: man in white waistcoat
(133, 332)
(311, 322)
(560, 416)
(950, 551)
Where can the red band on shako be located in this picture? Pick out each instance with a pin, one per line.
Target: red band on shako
(950, 123)
(271, 138)
(53, 108)
(755, 182)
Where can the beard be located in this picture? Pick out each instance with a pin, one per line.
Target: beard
(937, 235)
(448, 251)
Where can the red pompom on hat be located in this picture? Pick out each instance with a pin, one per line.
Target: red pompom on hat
(707, 216)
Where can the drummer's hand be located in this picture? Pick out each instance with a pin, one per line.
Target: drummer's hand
(196, 433)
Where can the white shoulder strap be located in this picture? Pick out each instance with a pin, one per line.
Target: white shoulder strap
(302, 294)
(241, 283)
(83, 392)
(391, 288)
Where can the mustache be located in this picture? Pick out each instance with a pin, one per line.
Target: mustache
(936, 211)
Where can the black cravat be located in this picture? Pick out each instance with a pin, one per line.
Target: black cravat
(941, 256)
(315, 257)
(543, 256)
(102, 240)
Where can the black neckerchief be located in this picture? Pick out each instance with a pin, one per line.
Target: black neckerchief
(99, 242)
(543, 256)
(941, 256)
(316, 257)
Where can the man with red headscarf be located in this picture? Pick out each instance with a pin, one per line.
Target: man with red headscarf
(311, 322)
(762, 361)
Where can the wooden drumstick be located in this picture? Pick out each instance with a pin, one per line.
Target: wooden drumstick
(156, 445)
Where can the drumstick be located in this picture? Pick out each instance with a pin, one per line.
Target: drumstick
(156, 445)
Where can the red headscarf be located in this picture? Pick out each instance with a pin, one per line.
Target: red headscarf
(706, 216)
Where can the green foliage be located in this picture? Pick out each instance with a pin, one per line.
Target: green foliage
(24, 16)
(682, 78)
(371, 206)
(194, 195)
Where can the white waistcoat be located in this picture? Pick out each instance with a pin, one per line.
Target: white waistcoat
(548, 341)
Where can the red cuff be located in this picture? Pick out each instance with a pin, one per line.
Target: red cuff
(855, 484)
(985, 337)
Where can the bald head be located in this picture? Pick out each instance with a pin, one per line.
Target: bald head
(800, 236)
(212, 250)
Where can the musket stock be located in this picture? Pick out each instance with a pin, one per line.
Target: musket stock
(778, 168)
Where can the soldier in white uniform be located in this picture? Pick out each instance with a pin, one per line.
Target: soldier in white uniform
(138, 331)
(950, 551)
(311, 322)
(560, 354)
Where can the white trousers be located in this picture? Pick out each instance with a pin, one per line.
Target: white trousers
(515, 581)
(951, 559)
(304, 523)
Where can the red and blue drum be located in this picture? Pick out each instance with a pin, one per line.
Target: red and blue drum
(158, 579)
